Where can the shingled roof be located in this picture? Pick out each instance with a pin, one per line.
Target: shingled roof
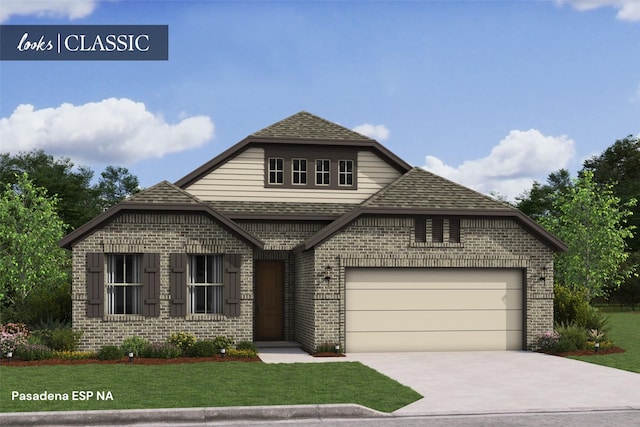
(419, 188)
(163, 192)
(305, 125)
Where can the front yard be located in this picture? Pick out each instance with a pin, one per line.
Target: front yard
(625, 332)
(212, 384)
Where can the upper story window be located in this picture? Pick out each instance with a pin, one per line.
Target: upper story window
(124, 284)
(299, 171)
(276, 170)
(323, 172)
(345, 173)
(206, 288)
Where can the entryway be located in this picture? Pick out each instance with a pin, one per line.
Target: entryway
(269, 301)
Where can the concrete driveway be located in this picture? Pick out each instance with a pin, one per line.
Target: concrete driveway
(497, 382)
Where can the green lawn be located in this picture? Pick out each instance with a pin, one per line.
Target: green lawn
(625, 332)
(212, 384)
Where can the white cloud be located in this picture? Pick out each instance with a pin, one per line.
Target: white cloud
(72, 9)
(512, 165)
(628, 10)
(112, 130)
(378, 132)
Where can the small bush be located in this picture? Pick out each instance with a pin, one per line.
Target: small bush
(569, 304)
(223, 342)
(64, 339)
(548, 342)
(30, 352)
(573, 334)
(74, 355)
(326, 347)
(162, 351)
(591, 318)
(134, 344)
(247, 345)
(182, 340)
(204, 348)
(244, 353)
(604, 345)
(11, 336)
(110, 352)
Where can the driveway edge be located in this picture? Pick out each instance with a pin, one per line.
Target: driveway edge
(185, 415)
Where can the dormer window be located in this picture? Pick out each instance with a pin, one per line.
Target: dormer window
(310, 167)
(323, 172)
(276, 170)
(299, 171)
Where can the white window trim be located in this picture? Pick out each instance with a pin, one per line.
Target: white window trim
(275, 170)
(111, 285)
(345, 173)
(323, 172)
(210, 286)
(299, 171)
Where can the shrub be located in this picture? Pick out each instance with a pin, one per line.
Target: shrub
(574, 334)
(326, 347)
(33, 352)
(604, 345)
(223, 342)
(204, 348)
(548, 341)
(11, 336)
(591, 318)
(110, 352)
(247, 345)
(134, 344)
(64, 339)
(568, 304)
(74, 355)
(162, 351)
(244, 353)
(182, 340)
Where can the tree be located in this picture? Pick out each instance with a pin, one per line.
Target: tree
(538, 202)
(619, 165)
(116, 184)
(591, 221)
(29, 233)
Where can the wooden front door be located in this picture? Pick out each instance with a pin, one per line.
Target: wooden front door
(269, 304)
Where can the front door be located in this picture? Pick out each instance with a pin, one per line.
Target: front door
(269, 304)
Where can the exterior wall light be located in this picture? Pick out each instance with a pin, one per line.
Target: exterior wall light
(327, 273)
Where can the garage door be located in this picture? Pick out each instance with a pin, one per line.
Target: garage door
(427, 309)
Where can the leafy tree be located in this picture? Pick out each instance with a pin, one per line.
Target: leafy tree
(619, 165)
(116, 184)
(29, 233)
(538, 202)
(592, 223)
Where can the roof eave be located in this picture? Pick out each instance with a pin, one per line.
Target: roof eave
(87, 228)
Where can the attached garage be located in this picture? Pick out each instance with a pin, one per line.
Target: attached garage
(433, 309)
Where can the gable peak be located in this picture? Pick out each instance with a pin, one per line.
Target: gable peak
(304, 125)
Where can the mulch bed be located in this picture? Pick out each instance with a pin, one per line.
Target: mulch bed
(612, 350)
(125, 361)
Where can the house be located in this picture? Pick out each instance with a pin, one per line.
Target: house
(307, 231)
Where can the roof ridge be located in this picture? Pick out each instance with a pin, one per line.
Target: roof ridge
(386, 188)
(164, 183)
(304, 125)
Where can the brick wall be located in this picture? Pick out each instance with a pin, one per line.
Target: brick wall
(389, 242)
(162, 233)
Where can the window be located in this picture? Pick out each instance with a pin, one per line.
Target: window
(437, 230)
(124, 284)
(299, 171)
(206, 287)
(276, 170)
(420, 228)
(323, 172)
(345, 173)
(454, 230)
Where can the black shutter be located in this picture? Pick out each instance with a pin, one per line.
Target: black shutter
(232, 285)
(151, 285)
(437, 230)
(420, 225)
(454, 230)
(178, 285)
(95, 285)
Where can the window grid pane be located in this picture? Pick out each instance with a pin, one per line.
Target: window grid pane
(346, 172)
(124, 289)
(323, 168)
(206, 290)
(276, 170)
(299, 171)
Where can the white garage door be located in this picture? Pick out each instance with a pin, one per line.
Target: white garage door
(433, 309)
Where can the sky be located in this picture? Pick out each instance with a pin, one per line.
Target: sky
(490, 94)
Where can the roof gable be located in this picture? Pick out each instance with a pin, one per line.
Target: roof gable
(419, 188)
(305, 125)
(163, 192)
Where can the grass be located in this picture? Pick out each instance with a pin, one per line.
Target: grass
(625, 332)
(203, 385)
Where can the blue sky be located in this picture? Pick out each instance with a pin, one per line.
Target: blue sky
(491, 94)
